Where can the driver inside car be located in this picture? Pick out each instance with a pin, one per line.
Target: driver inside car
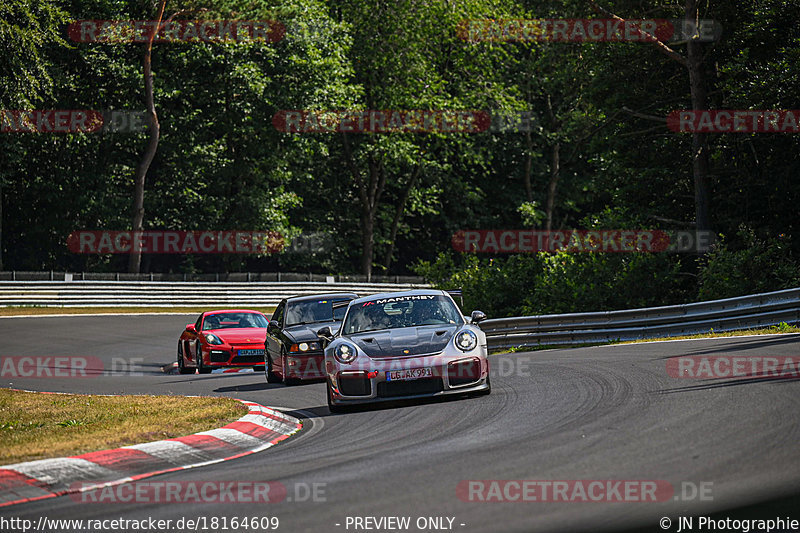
(378, 319)
(425, 313)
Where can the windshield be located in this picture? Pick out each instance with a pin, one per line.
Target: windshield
(401, 312)
(234, 320)
(311, 311)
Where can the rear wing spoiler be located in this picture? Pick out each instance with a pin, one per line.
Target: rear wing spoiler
(340, 304)
(457, 293)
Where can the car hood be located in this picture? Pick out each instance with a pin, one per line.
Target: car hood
(404, 342)
(308, 332)
(240, 335)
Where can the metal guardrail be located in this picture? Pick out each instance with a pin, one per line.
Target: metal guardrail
(55, 275)
(745, 312)
(173, 294)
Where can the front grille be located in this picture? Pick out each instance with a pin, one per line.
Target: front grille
(248, 359)
(219, 356)
(354, 385)
(390, 389)
(463, 372)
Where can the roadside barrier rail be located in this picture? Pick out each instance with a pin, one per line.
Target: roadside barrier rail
(744, 312)
(173, 294)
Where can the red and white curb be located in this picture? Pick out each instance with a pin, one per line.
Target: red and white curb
(258, 430)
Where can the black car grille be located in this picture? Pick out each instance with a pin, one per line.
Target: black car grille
(248, 359)
(463, 372)
(355, 385)
(390, 389)
(219, 356)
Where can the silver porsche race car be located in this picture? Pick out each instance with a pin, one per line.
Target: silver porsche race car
(402, 345)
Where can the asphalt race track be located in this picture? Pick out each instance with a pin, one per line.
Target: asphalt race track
(608, 412)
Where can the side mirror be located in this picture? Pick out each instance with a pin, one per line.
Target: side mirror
(477, 316)
(325, 333)
(190, 328)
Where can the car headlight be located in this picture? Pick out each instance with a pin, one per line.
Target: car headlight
(466, 340)
(304, 347)
(345, 353)
(213, 339)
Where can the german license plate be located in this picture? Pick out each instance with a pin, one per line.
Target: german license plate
(251, 352)
(411, 373)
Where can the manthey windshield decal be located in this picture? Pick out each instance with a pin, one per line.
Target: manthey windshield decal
(399, 299)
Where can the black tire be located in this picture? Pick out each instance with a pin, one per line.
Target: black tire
(270, 375)
(199, 361)
(181, 366)
(333, 408)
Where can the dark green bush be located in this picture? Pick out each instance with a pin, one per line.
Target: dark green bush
(749, 266)
(544, 283)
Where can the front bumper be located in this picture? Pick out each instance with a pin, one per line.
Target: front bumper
(307, 366)
(368, 384)
(224, 355)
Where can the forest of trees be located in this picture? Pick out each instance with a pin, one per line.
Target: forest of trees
(598, 154)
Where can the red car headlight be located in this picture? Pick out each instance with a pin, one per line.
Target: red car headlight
(212, 339)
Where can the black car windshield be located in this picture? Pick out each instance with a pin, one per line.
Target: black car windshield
(234, 320)
(311, 311)
(401, 312)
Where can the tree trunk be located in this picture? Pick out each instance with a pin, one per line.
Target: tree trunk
(398, 216)
(1, 223)
(135, 259)
(367, 236)
(526, 176)
(555, 169)
(697, 88)
(369, 195)
(700, 160)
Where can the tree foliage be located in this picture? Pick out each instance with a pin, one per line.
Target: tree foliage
(598, 144)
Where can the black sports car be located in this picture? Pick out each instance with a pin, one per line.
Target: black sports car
(293, 352)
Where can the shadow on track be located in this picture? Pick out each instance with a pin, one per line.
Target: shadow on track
(728, 383)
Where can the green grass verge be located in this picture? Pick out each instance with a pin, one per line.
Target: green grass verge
(41, 426)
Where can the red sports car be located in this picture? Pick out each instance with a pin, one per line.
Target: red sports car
(233, 337)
